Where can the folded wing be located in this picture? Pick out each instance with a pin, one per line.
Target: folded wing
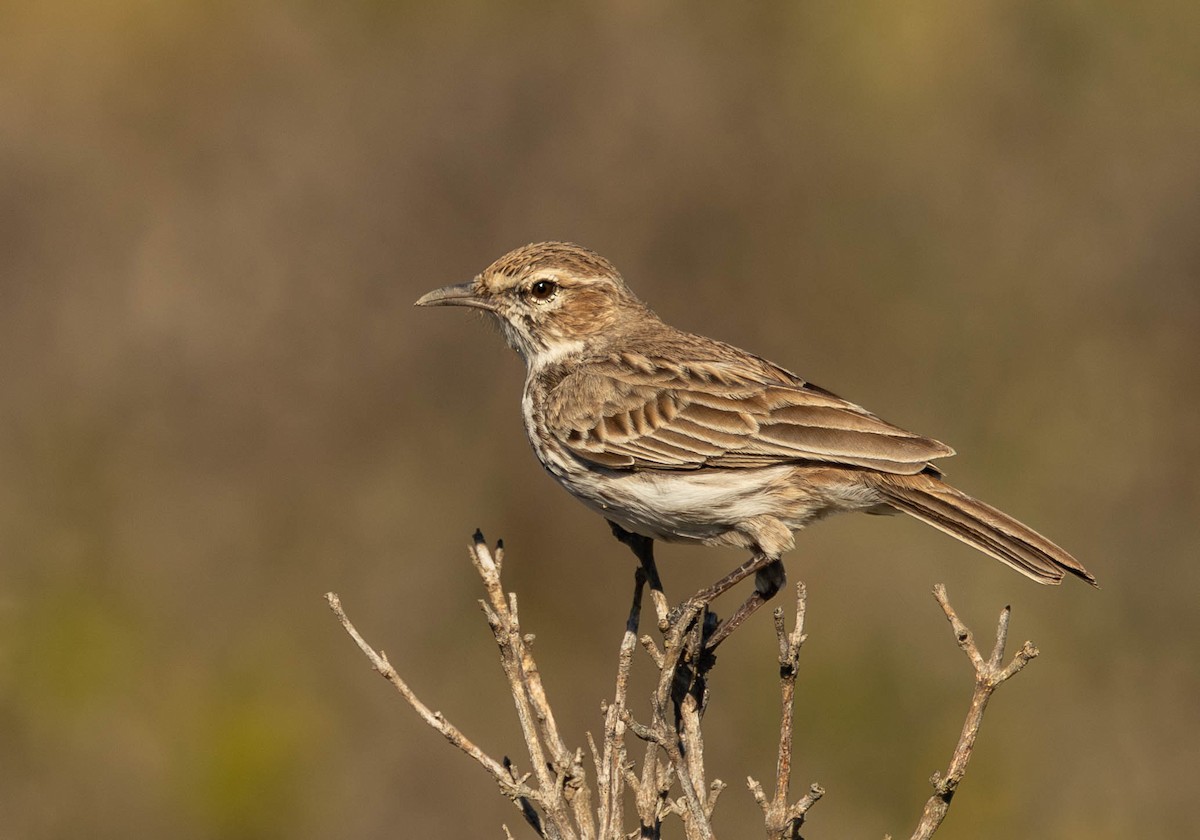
(655, 414)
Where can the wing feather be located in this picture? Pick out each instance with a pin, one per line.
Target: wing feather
(656, 414)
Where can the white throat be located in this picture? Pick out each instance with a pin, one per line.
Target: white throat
(553, 355)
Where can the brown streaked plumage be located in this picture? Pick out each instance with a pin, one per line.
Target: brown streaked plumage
(677, 437)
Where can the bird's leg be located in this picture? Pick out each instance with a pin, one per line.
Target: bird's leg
(757, 562)
(768, 580)
(643, 548)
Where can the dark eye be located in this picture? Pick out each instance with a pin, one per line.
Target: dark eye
(543, 289)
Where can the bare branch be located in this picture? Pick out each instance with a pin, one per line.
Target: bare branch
(514, 789)
(610, 769)
(553, 796)
(674, 728)
(561, 779)
(988, 676)
(783, 821)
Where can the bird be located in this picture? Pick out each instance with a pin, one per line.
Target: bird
(681, 438)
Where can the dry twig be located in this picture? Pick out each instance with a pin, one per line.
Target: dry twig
(514, 788)
(555, 798)
(783, 821)
(989, 674)
(612, 763)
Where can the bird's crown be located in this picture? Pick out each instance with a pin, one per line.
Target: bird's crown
(555, 257)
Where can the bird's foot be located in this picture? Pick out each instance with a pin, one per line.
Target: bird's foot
(688, 610)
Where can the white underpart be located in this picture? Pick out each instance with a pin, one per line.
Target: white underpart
(685, 506)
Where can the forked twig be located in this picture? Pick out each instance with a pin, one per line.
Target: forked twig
(564, 794)
(562, 798)
(513, 788)
(783, 821)
(989, 674)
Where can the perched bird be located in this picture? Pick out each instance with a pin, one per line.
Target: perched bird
(678, 437)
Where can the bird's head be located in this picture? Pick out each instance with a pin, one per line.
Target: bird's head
(551, 299)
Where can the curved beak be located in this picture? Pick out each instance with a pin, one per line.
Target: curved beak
(463, 294)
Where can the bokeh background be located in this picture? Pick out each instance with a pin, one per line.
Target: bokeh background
(978, 219)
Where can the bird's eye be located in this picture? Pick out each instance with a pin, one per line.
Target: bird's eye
(543, 289)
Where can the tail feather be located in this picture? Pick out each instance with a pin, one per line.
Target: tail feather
(982, 526)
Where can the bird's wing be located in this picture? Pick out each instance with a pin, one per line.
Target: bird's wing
(643, 413)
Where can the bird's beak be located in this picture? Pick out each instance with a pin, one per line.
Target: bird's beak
(463, 294)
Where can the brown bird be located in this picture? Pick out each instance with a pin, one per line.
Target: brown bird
(677, 437)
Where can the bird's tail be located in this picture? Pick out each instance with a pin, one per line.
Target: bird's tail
(980, 525)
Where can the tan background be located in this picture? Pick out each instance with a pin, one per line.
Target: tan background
(978, 219)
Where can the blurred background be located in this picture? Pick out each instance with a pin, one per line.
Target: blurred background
(976, 219)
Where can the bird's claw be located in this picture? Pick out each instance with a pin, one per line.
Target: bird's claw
(688, 610)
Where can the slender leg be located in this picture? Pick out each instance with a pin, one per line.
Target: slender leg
(768, 580)
(643, 549)
(756, 565)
